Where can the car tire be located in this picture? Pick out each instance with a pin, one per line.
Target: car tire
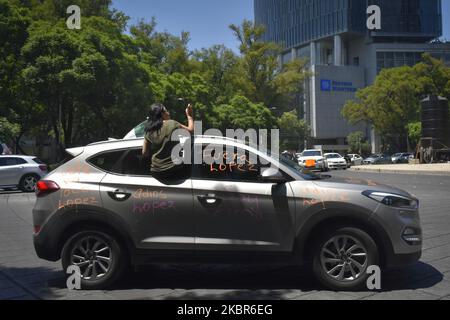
(28, 182)
(327, 260)
(94, 263)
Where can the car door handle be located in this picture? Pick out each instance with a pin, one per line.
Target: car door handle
(209, 199)
(119, 195)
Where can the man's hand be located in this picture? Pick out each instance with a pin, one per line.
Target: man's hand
(189, 111)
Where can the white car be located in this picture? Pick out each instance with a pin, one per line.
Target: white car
(312, 159)
(136, 132)
(335, 161)
(21, 172)
(356, 159)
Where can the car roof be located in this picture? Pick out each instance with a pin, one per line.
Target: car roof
(114, 144)
(16, 156)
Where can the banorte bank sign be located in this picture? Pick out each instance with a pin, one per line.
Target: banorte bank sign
(337, 86)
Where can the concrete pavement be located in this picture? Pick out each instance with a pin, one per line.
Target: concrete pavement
(440, 169)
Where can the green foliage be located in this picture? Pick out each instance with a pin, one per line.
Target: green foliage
(389, 104)
(415, 131)
(260, 77)
(294, 131)
(241, 113)
(392, 103)
(8, 130)
(358, 143)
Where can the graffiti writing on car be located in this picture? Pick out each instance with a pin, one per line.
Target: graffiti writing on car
(313, 196)
(229, 162)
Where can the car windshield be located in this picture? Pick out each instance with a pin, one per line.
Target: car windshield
(139, 130)
(311, 154)
(304, 173)
(332, 156)
(397, 155)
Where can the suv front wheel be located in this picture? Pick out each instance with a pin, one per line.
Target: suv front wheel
(342, 256)
(99, 256)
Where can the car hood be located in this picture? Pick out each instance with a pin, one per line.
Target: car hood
(358, 184)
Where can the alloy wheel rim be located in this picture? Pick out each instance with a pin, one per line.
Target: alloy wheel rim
(344, 258)
(30, 183)
(93, 256)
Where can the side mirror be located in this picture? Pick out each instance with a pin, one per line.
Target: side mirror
(272, 175)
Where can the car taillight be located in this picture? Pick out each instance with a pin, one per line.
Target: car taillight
(37, 229)
(43, 167)
(44, 187)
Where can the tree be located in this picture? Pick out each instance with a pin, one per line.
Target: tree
(294, 131)
(433, 76)
(8, 130)
(259, 76)
(243, 114)
(415, 132)
(358, 143)
(390, 104)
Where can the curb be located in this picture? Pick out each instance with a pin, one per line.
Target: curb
(409, 172)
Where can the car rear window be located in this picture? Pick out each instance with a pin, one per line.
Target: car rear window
(38, 161)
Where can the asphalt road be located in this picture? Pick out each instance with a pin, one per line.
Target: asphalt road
(24, 276)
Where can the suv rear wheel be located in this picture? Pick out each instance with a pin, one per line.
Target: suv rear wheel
(342, 256)
(100, 257)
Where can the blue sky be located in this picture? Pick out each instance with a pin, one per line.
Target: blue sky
(207, 20)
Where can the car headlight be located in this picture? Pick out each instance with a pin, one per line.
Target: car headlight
(392, 199)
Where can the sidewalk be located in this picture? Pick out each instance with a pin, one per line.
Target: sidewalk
(418, 169)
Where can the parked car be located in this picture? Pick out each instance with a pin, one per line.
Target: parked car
(378, 159)
(21, 172)
(313, 160)
(335, 161)
(402, 157)
(102, 211)
(356, 159)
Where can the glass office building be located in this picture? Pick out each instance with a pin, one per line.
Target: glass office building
(296, 22)
(344, 55)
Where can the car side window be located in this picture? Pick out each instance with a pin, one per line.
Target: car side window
(11, 161)
(134, 164)
(230, 164)
(106, 160)
(20, 161)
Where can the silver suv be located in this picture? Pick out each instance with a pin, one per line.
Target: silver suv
(102, 211)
